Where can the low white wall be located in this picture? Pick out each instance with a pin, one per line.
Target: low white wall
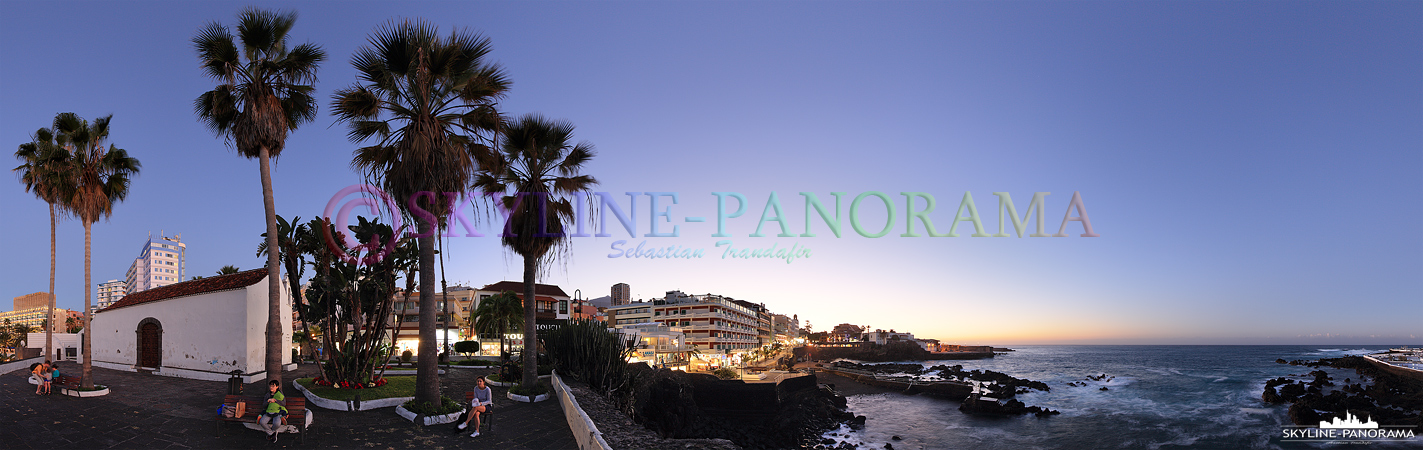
(584, 430)
(17, 365)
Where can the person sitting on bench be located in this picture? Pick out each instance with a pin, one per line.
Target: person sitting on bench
(271, 420)
(483, 400)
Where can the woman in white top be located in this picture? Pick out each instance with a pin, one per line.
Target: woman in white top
(483, 400)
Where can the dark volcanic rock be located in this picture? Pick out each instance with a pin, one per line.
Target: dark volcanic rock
(1389, 399)
(793, 413)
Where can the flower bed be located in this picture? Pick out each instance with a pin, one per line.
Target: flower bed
(448, 411)
(323, 382)
(389, 387)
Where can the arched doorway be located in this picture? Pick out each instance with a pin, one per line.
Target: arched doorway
(150, 343)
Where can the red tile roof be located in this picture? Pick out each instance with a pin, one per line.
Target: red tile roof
(518, 288)
(194, 287)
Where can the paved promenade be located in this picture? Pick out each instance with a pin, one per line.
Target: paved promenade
(155, 412)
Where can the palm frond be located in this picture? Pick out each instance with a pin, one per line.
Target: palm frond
(217, 54)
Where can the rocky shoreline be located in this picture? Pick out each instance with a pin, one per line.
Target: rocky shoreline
(676, 405)
(1000, 388)
(1378, 395)
(894, 351)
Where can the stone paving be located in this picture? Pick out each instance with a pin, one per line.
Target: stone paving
(154, 412)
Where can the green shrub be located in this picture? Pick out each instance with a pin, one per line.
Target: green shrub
(539, 389)
(405, 356)
(467, 347)
(475, 362)
(545, 369)
(447, 406)
(726, 373)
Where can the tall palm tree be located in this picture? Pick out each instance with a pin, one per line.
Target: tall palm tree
(535, 170)
(497, 314)
(428, 102)
(290, 236)
(264, 91)
(228, 270)
(44, 174)
(99, 179)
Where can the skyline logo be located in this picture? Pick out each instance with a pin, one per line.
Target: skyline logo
(1348, 430)
(1350, 422)
(592, 210)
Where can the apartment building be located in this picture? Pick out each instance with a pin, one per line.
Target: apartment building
(784, 327)
(622, 294)
(109, 292)
(451, 318)
(763, 321)
(161, 262)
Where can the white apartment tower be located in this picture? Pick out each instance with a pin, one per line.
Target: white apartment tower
(161, 263)
(110, 292)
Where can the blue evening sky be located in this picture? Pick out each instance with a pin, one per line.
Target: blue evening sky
(1252, 167)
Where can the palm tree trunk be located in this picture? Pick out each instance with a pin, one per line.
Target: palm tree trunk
(427, 375)
(274, 274)
(86, 380)
(49, 331)
(531, 347)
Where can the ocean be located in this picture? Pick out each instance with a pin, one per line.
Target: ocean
(1162, 397)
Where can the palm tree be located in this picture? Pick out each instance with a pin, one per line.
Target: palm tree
(497, 314)
(289, 243)
(99, 179)
(20, 335)
(534, 171)
(228, 270)
(255, 104)
(429, 103)
(44, 174)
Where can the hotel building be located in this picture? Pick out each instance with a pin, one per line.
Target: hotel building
(709, 322)
(30, 310)
(160, 263)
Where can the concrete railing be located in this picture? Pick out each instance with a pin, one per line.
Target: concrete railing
(17, 365)
(584, 430)
(1396, 370)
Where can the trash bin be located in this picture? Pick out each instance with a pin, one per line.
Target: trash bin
(234, 384)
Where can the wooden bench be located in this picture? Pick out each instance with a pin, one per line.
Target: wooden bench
(296, 408)
(66, 382)
(484, 418)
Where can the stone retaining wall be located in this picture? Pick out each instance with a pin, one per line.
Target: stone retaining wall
(584, 430)
(1405, 372)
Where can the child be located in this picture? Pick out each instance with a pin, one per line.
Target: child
(271, 419)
